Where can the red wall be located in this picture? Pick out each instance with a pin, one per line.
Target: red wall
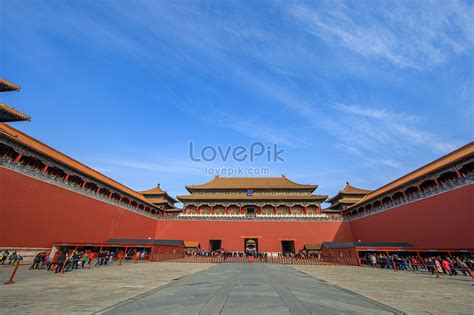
(271, 232)
(36, 214)
(441, 221)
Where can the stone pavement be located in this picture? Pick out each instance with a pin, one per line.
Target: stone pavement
(85, 291)
(250, 289)
(411, 292)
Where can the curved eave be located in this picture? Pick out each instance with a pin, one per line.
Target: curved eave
(335, 198)
(6, 86)
(9, 114)
(462, 153)
(319, 198)
(37, 146)
(256, 183)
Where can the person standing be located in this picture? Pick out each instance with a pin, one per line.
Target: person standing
(5, 255)
(84, 259)
(60, 261)
(446, 266)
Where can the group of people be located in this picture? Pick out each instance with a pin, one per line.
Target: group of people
(255, 254)
(11, 257)
(67, 260)
(451, 266)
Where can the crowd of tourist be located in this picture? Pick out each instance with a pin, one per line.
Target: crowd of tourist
(448, 265)
(67, 260)
(260, 255)
(11, 257)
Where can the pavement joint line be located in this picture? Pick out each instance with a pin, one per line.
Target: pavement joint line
(275, 280)
(107, 309)
(380, 304)
(225, 288)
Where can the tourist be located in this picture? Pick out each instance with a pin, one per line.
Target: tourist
(47, 262)
(414, 264)
(5, 255)
(37, 261)
(12, 258)
(446, 266)
(60, 261)
(91, 257)
(84, 259)
(75, 260)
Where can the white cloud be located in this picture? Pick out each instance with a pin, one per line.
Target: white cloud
(409, 34)
(384, 128)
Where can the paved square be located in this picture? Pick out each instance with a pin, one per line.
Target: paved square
(251, 289)
(85, 291)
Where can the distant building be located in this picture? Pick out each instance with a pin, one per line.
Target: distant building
(7, 113)
(345, 198)
(162, 200)
(252, 197)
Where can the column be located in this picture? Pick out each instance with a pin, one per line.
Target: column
(18, 157)
(66, 177)
(198, 209)
(305, 211)
(44, 169)
(212, 209)
(226, 209)
(275, 211)
(240, 210)
(289, 210)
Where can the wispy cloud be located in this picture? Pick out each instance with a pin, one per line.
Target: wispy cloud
(299, 94)
(409, 34)
(396, 128)
(172, 166)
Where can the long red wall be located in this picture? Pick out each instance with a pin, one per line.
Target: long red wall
(36, 214)
(271, 233)
(442, 221)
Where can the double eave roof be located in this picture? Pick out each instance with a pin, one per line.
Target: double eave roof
(349, 192)
(261, 197)
(256, 183)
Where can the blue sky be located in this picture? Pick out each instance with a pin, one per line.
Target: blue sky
(363, 91)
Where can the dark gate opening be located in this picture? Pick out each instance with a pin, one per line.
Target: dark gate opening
(214, 245)
(251, 246)
(288, 247)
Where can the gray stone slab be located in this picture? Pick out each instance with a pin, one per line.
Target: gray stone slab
(251, 289)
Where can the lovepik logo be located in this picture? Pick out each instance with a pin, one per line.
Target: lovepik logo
(239, 153)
